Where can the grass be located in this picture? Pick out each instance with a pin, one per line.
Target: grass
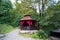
(29, 35)
(5, 28)
(25, 34)
(35, 36)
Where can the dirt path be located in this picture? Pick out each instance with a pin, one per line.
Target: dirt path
(14, 36)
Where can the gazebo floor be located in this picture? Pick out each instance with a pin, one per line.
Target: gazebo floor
(28, 31)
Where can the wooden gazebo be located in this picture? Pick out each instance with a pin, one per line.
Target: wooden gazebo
(27, 23)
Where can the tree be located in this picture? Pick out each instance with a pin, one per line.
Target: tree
(5, 7)
(25, 7)
(43, 4)
(52, 20)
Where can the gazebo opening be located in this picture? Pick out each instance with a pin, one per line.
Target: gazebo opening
(27, 23)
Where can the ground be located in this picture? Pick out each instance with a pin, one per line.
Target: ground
(14, 36)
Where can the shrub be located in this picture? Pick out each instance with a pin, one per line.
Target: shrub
(42, 34)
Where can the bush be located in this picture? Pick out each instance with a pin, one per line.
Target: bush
(42, 34)
(4, 28)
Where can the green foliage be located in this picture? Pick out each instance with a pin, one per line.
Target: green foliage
(42, 34)
(5, 7)
(25, 7)
(9, 15)
(51, 20)
(35, 35)
(15, 18)
(4, 28)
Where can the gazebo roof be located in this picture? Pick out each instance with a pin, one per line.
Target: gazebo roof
(27, 17)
